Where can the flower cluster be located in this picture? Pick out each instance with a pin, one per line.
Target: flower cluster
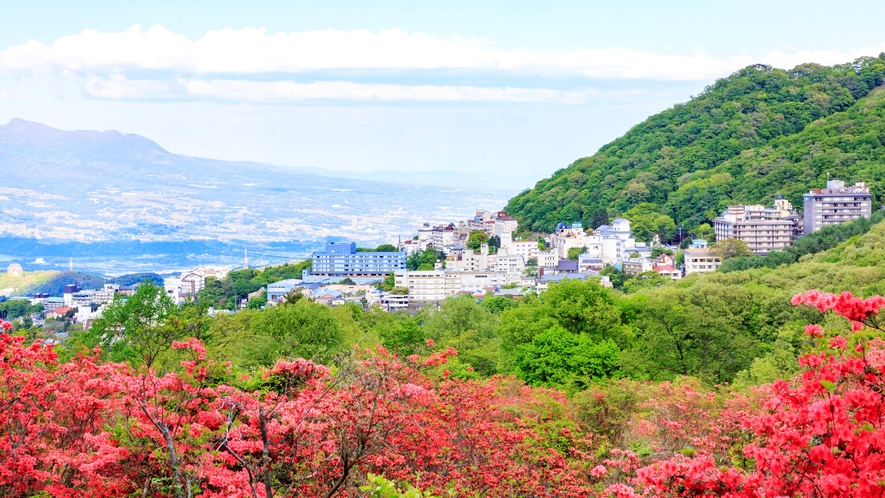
(853, 308)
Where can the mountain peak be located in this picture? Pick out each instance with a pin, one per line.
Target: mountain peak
(34, 140)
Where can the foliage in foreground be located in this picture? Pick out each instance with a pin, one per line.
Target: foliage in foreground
(88, 427)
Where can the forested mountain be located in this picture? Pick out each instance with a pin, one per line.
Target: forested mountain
(757, 133)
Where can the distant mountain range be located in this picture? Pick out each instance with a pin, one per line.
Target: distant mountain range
(435, 178)
(99, 192)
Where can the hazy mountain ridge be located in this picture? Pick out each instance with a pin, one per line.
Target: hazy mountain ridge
(108, 187)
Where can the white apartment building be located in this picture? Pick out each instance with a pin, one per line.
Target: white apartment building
(504, 224)
(635, 266)
(700, 260)
(509, 267)
(443, 237)
(193, 281)
(437, 285)
(617, 240)
(467, 260)
(763, 229)
(425, 232)
(836, 204)
(172, 286)
(548, 259)
(424, 286)
(105, 294)
(525, 248)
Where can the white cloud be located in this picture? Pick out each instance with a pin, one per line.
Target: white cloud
(253, 51)
(224, 64)
(287, 91)
(119, 87)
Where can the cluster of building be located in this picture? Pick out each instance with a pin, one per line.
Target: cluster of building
(185, 285)
(81, 305)
(516, 266)
(776, 227)
(505, 265)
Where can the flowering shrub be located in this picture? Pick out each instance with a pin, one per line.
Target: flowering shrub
(88, 428)
(821, 435)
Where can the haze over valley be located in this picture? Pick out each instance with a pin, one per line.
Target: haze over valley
(119, 202)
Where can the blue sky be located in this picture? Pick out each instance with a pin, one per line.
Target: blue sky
(518, 88)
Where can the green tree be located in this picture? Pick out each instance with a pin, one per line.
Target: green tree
(730, 248)
(559, 358)
(703, 231)
(498, 304)
(469, 328)
(386, 248)
(617, 276)
(424, 260)
(476, 239)
(137, 329)
(573, 252)
(388, 283)
(645, 280)
(703, 330)
(258, 301)
(646, 221)
(301, 330)
(584, 307)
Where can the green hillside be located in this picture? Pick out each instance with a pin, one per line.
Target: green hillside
(757, 133)
(25, 282)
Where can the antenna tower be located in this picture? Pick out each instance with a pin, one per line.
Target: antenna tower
(245, 257)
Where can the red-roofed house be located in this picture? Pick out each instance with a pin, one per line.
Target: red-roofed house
(58, 312)
(668, 271)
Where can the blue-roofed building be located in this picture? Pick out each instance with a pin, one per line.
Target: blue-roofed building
(341, 259)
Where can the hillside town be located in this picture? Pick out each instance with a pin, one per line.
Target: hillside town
(487, 255)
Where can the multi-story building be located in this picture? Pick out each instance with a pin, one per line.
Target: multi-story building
(700, 260)
(462, 259)
(527, 249)
(281, 289)
(424, 286)
(548, 259)
(444, 237)
(341, 259)
(393, 302)
(437, 285)
(635, 266)
(617, 242)
(82, 298)
(193, 281)
(763, 229)
(836, 204)
(68, 294)
(105, 294)
(509, 267)
(504, 224)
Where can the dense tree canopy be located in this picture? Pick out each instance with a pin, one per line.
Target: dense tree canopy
(759, 132)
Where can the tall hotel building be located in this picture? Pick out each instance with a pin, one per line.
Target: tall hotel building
(764, 229)
(343, 260)
(836, 204)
